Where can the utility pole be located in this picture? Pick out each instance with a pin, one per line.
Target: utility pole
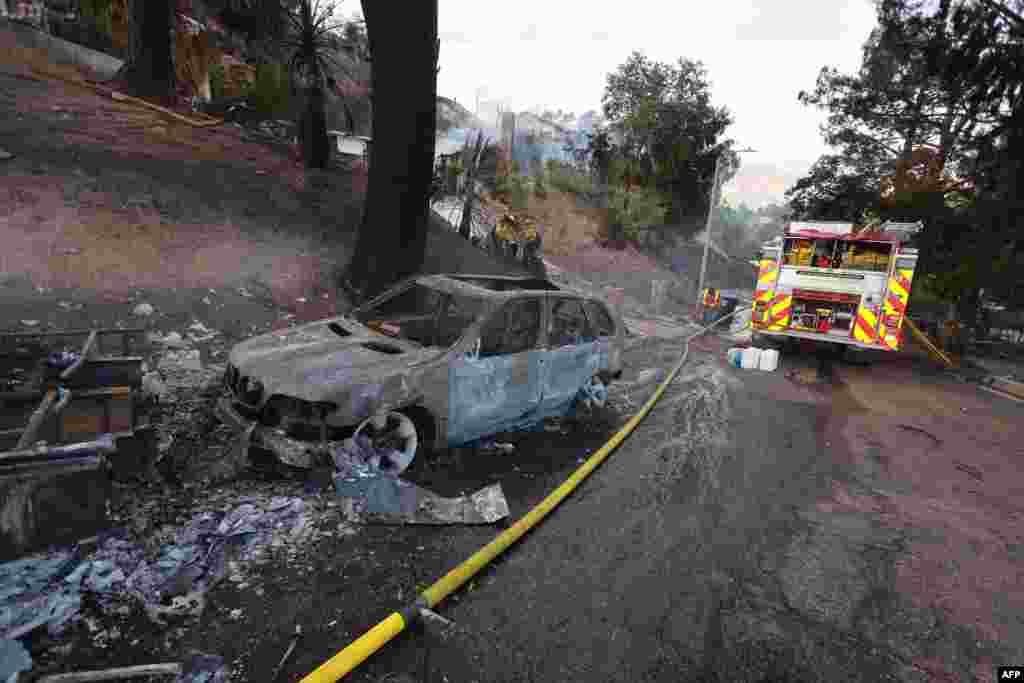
(707, 227)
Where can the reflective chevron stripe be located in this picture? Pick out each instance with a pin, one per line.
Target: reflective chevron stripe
(779, 316)
(865, 326)
(767, 276)
(895, 308)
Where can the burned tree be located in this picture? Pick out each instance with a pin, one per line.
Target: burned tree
(393, 236)
(150, 68)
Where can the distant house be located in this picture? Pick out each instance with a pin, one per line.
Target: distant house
(350, 145)
(538, 140)
(445, 147)
(543, 129)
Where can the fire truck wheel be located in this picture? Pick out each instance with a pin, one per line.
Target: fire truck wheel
(856, 356)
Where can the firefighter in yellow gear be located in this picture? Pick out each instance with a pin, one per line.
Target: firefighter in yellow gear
(517, 236)
(712, 300)
(516, 229)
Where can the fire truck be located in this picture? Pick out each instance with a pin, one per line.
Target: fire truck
(836, 283)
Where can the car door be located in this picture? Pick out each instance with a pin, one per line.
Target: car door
(572, 356)
(497, 386)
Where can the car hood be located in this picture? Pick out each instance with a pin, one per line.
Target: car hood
(315, 363)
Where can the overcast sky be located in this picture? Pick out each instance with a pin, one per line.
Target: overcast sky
(759, 55)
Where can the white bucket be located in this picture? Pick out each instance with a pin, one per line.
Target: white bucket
(769, 360)
(734, 356)
(751, 358)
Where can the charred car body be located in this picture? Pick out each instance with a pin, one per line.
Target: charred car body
(440, 360)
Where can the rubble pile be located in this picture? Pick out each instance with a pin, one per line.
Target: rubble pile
(172, 580)
(191, 443)
(373, 492)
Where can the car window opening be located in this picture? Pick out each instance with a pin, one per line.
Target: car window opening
(569, 325)
(339, 330)
(514, 329)
(420, 314)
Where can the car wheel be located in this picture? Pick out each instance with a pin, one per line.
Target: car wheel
(857, 356)
(426, 431)
(397, 438)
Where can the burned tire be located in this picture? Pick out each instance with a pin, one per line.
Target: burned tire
(398, 438)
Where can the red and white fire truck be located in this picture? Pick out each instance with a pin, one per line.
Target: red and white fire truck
(835, 282)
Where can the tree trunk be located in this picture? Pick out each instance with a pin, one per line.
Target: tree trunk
(315, 145)
(396, 218)
(149, 70)
(616, 228)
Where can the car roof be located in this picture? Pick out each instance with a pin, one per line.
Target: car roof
(499, 286)
(505, 283)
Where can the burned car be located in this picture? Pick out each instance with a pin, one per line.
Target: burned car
(434, 362)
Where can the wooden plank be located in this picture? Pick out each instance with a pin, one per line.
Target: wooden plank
(65, 451)
(65, 465)
(72, 333)
(114, 674)
(26, 396)
(84, 419)
(87, 350)
(37, 419)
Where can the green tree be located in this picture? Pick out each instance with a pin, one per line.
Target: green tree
(393, 235)
(927, 123)
(670, 129)
(312, 64)
(260, 21)
(835, 189)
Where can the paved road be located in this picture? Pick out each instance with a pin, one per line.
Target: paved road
(767, 527)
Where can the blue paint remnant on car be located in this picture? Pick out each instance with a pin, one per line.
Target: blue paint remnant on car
(488, 395)
(14, 658)
(594, 394)
(566, 371)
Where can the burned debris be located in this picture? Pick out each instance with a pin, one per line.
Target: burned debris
(70, 410)
(94, 418)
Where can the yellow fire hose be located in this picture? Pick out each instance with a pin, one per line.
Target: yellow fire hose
(934, 350)
(359, 650)
(207, 122)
